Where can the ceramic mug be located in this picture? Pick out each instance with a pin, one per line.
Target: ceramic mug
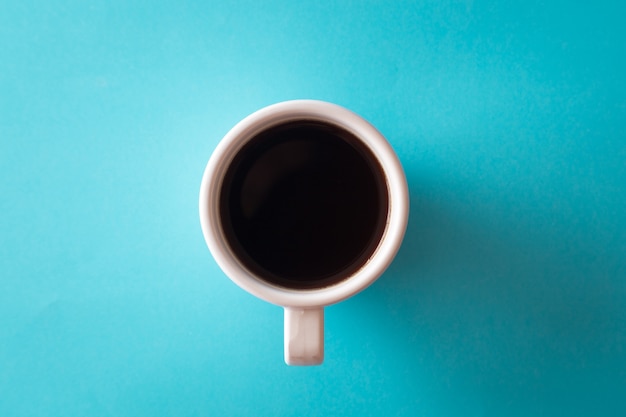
(303, 304)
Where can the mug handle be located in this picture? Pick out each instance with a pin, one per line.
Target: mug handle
(304, 335)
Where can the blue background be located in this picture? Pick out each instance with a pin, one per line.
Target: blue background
(508, 296)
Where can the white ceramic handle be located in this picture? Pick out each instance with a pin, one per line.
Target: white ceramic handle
(304, 336)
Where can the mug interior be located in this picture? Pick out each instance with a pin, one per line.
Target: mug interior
(303, 204)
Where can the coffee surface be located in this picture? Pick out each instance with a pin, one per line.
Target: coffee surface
(304, 205)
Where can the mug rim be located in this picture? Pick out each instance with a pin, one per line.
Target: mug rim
(280, 113)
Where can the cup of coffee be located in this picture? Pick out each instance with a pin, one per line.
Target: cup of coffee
(303, 204)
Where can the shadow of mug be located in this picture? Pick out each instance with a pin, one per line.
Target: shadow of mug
(475, 298)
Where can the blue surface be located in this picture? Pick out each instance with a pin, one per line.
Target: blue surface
(508, 297)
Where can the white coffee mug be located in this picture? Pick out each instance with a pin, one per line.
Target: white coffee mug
(304, 307)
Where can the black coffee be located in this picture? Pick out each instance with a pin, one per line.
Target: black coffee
(304, 204)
